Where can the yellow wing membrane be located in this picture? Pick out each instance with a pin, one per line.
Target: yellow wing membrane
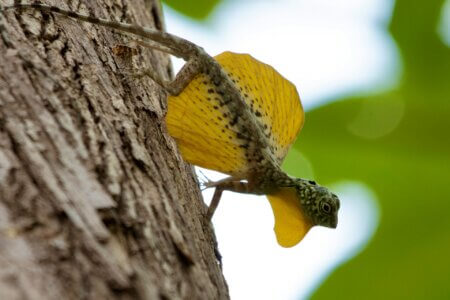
(291, 224)
(201, 126)
(202, 131)
(205, 137)
(270, 96)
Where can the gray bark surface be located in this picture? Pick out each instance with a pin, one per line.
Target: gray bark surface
(95, 199)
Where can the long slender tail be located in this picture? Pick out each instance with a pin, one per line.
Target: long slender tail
(179, 46)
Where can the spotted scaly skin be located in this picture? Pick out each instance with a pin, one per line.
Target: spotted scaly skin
(236, 115)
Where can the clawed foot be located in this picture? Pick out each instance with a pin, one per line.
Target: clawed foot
(208, 226)
(204, 181)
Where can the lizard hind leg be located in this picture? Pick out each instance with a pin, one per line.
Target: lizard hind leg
(190, 70)
(176, 86)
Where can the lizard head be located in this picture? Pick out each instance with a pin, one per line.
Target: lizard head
(320, 205)
(298, 205)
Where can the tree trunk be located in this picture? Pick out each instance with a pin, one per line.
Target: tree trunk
(95, 199)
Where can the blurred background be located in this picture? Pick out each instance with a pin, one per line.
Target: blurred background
(374, 78)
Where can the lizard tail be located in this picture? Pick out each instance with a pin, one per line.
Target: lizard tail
(179, 47)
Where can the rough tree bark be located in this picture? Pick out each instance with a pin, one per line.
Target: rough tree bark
(95, 200)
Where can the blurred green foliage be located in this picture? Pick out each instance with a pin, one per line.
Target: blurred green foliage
(398, 143)
(198, 9)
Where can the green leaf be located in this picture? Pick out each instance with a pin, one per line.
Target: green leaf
(198, 9)
(398, 143)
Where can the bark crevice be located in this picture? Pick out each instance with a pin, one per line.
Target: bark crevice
(95, 200)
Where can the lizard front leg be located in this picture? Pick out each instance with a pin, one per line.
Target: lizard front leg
(227, 184)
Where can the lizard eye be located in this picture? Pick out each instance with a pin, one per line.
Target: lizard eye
(326, 207)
